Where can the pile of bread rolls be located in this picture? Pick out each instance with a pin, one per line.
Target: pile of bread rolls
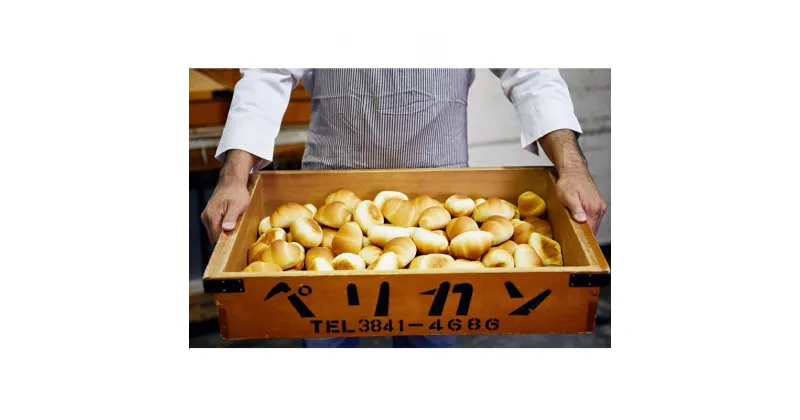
(392, 232)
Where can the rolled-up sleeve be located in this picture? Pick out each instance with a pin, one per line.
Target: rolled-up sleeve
(259, 101)
(542, 102)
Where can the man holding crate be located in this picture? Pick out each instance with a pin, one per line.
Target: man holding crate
(393, 118)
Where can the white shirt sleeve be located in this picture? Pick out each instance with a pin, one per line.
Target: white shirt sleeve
(259, 101)
(542, 102)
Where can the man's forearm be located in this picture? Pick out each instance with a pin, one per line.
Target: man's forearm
(237, 167)
(563, 150)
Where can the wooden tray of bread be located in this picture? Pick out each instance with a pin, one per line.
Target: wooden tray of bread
(405, 252)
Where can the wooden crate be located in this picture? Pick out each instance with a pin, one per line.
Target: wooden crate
(406, 302)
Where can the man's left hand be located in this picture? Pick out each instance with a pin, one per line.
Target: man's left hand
(580, 196)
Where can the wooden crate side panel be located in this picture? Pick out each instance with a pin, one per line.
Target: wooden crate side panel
(469, 303)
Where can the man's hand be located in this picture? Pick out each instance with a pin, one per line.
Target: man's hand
(580, 196)
(575, 187)
(230, 198)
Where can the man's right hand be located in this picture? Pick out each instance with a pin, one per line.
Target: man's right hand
(230, 198)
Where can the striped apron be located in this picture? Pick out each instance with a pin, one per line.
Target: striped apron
(387, 118)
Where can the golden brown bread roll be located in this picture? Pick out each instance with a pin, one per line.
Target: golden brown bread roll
(500, 228)
(272, 235)
(333, 215)
(348, 198)
(318, 252)
(264, 226)
(428, 242)
(547, 249)
(498, 258)
(509, 246)
(531, 204)
(347, 240)
(424, 202)
(387, 261)
(471, 245)
(493, 207)
(460, 225)
(282, 253)
(348, 261)
(459, 205)
(370, 254)
(319, 264)
(311, 207)
(526, 257)
(327, 236)
(306, 231)
(431, 262)
(522, 231)
(400, 212)
(302, 262)
(285, 214)
(367, 215)
(404, 248)
(380, 235)
(382, 196)
(255, 251)
(467, 265)
(261, 267)
(540, 226)
(434, 218)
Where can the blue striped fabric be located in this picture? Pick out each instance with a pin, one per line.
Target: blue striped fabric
(387, 118)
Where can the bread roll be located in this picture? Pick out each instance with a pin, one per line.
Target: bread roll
(284, 215)
(540, 226)
(348, 198)
(333, 215)
(471, 245)
(431, 262)
(306, 231)
(319, 264)
(367, 215)
(311, 207)
(434, 218)
(347, 240)
(382, 196)
(509, 246)
(478, 203)
(525, 257)
(400, 212)
(318, 252)
(424, 202)
(387, 261)
(380, 235)
(522, 231)
(547, 249)
(302, 262)
(498, 258)
(459, 205)
(327, 236)
(261, 267)
(272, 235)
(404, 248)
(531, 204)
(348, 261)
(255, 251)
(282, 253)
(460, 225)
(493, 207)
(428, 242)
(500, 228)
(370, 254)
(264, 225)
(467, 265)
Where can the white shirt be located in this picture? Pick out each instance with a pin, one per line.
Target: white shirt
(540, 98)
